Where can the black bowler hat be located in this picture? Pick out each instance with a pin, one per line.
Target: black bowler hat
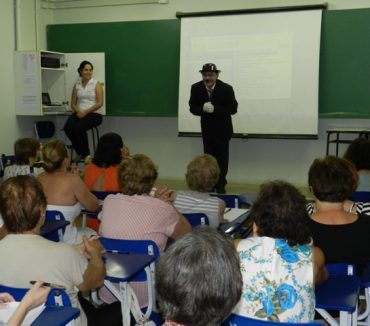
(209, 67)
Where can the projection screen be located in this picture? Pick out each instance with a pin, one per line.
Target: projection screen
(271, 60)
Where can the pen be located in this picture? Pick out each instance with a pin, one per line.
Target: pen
(227, 210)
(52, 285)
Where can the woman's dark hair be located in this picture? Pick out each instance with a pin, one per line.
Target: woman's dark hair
(332, 179)
(22, 203)
(198, 278)
(24, 149)
(280, 212)
(109, 150)
(82, 66)
(358, 152)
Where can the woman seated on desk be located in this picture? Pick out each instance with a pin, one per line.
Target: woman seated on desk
(26, 152)
(279, 265)
(135, 215)
(201, 177)
(65, 191)
(341, 233)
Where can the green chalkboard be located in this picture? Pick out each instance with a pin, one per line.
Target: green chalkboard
(142, 62)
(345, 64)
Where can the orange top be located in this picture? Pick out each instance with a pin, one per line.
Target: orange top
(92, 172)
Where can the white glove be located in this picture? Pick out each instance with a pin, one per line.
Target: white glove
(208, 107)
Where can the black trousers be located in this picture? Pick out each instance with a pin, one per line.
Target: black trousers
(219, 149)
(76, 130)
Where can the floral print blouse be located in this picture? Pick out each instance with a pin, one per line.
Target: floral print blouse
(277, 280)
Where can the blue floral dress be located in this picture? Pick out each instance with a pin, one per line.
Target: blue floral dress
(277, 280)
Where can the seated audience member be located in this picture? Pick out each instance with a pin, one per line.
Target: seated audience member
(198, 279)
(65, 191)
(26, 152)
(279, 265)
(358, 152)
(34, 297)
(342, 235)
(23, 205)
(101, 174)
(201, 177)
(134, 215)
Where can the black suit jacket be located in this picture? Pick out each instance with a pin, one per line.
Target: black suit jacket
(217, 124)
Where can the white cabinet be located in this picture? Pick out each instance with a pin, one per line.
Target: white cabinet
(44, 80)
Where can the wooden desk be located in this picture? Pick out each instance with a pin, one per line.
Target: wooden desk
(56, 316)
(358, 132)
(339, 293)
(122, 268)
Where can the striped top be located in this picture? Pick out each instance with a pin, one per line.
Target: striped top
(199, 202)
(361, 208)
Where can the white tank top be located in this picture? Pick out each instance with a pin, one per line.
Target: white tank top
(86, 96)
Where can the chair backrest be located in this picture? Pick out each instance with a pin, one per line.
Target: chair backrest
(146, 247)
(56, 297)
(196, 219)
(341, 269)
(55, 216)
(102, 194)
(44, 129)
(236, 320)
(231, 201)
(360, 196)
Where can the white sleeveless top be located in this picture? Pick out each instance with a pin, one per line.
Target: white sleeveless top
(277, 280)
(86, 96)
(71, 234)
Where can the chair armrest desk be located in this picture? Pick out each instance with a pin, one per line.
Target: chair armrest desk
(340, 293)
(122, 268)
(56, 316)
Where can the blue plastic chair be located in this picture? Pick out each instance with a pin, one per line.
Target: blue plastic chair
(196, 219)
(101, 196)
(234, 226)
(56, 297)
(55, 216)
(58, 310)
(147, 247)
(237, 320)
(360, 196)
(341, 269)
(231, 201)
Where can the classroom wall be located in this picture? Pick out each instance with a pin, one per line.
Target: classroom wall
(251, 161)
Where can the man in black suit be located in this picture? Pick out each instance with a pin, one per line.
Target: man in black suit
(214, 101)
